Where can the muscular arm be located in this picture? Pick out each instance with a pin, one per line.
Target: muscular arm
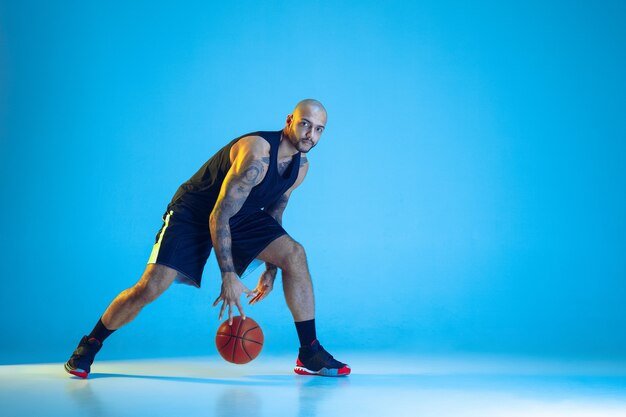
(249, 166)
(278, 207)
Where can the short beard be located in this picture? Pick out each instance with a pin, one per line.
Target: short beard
(298, 147)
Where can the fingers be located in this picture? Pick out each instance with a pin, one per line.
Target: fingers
(231, 301)
(230, 314)
(258, 297)
(261, 294)
(243, 315)
(222, 311)
(253, 300)
(217, 300)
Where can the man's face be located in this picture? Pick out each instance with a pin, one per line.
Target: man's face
(306, 127)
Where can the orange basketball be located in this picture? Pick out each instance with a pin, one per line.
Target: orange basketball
(241, 342)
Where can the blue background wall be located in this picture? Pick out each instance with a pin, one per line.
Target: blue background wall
(467, 196)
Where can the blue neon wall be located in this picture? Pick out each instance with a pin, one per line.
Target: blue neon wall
(467, 196)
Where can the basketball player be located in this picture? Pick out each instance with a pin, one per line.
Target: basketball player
(233, 204)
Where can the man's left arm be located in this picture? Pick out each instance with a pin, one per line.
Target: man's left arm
(266, 281)
(278, 207)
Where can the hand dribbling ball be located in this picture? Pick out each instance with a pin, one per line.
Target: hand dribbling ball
(241, 342)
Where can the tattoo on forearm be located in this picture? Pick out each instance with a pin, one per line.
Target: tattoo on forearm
(223, 249)
(235, 191)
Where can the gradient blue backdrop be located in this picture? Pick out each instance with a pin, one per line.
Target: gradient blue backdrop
(467, 196)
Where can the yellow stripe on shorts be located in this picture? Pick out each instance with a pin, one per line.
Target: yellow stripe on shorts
(157, 246)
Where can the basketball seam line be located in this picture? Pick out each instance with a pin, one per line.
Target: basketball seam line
(236, 332)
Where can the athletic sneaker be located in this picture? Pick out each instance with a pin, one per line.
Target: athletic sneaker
(80, 362)
(314, 360)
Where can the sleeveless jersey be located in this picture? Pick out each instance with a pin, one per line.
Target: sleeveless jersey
(200, 192)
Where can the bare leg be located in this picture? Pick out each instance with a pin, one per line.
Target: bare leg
(125, 307)
(290, 257)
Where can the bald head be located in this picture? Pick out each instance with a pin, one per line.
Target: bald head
(306, 124)
(310, 105)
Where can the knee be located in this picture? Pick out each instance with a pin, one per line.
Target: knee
(294, 257)
(146, 290)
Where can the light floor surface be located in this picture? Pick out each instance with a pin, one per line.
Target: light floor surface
(381, 385)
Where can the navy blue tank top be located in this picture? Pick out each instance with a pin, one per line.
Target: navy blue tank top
(200, 192)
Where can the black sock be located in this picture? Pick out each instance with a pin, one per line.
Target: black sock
(306, 332)
(100, 332)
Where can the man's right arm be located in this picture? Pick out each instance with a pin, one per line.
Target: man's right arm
(248, 168)
(249, 164)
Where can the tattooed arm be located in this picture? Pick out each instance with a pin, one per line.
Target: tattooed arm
(249, 163)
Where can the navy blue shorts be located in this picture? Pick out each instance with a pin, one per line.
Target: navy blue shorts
(184, 242)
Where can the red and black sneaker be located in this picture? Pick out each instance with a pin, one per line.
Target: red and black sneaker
(314, 360)
(80, 362)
